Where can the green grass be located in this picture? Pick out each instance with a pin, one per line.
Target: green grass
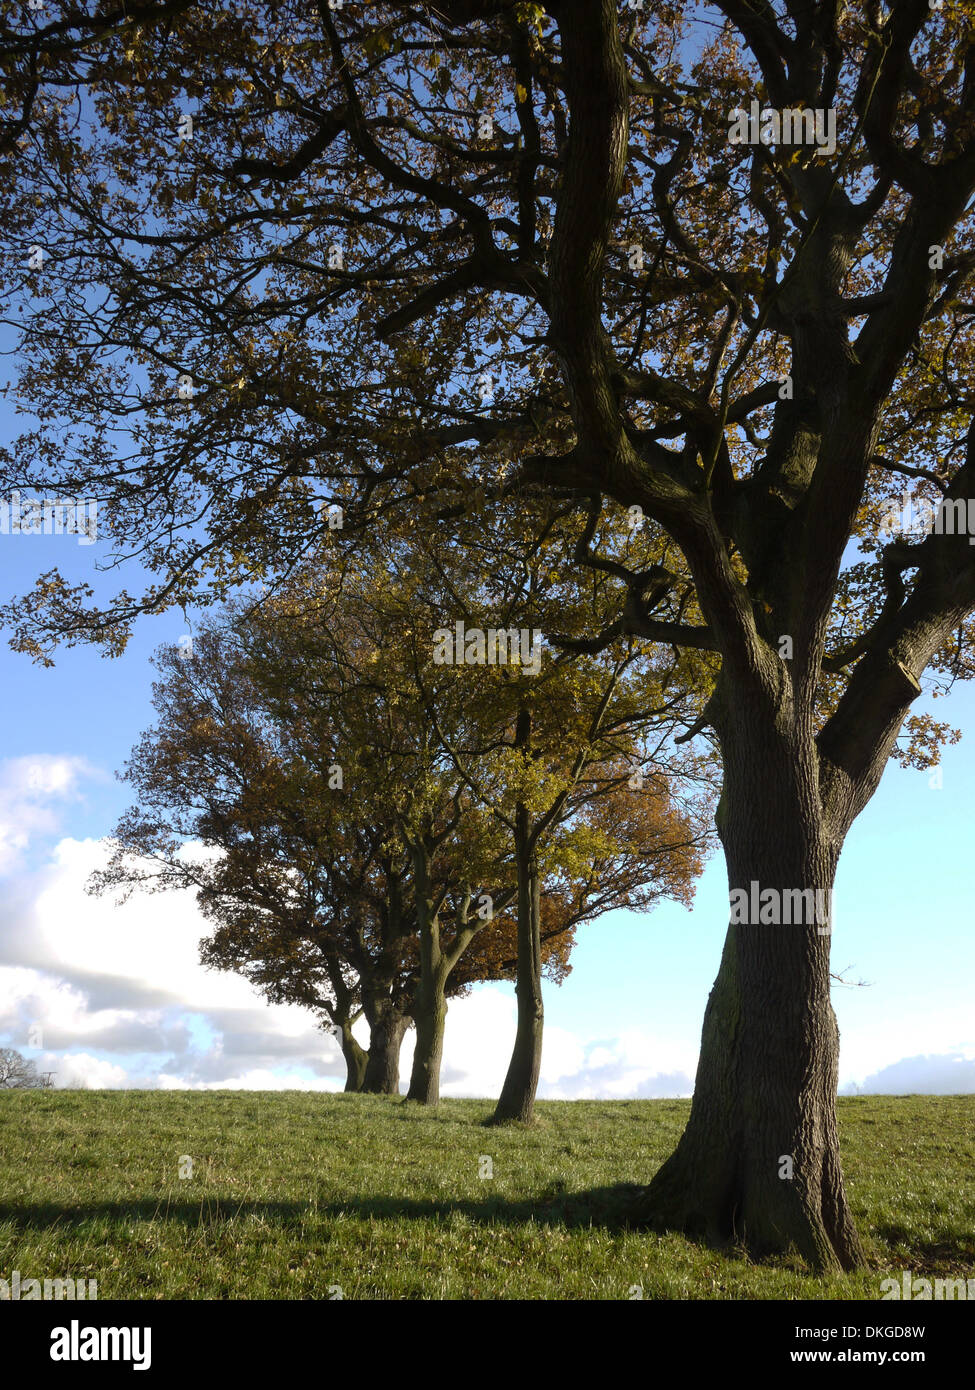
(294, 1192)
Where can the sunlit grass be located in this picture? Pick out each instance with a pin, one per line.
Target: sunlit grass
(296, 1194)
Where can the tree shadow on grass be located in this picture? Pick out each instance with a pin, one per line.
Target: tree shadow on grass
(615, 1209)
(608, 1208)
(951, 1252)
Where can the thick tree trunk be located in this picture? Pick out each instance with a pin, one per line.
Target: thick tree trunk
(431, 1018)
(387, 1028)
(517, 1099)
(759, 1161)
(356, 1059)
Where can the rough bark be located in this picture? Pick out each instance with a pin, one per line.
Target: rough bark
(430, 1013)
(356, 1059)
(517, 1099)
(431, 1018)
(759, 1161)
(343, 1013)
(387, 1028)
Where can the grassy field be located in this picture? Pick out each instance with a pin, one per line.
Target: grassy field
(294, 1194)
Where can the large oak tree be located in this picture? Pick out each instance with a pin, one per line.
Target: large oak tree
(404, 249)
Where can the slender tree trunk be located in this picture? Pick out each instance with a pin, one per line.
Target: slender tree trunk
(387, 1028)
(430, 1014)
(356, 1058)
(343, 1014)
(759, 1161)
(517, 1099)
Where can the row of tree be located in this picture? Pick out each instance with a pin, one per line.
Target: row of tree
(383, 256)
(371, 828)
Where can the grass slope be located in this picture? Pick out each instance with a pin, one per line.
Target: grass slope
(295, 1193)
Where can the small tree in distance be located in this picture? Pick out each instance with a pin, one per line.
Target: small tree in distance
(18, 1073)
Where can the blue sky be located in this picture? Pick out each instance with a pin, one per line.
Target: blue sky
(115, 997)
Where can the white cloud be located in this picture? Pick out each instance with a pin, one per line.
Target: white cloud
(480, 1034)
(636, 1063)
(33, 790)
(126, 980)
(81, 1071)
(948, 1074)
(259, 1079)
(894, 1036)
(110, 996)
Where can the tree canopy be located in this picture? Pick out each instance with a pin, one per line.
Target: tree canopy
(308, 747)
(709, 266)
